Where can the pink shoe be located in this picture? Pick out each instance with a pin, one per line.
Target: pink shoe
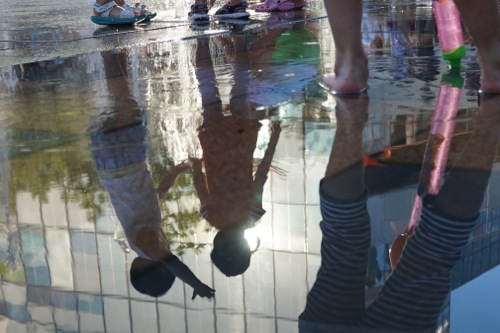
(279, 6)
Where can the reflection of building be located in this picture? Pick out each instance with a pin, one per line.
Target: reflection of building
(74, 276)
(483, 251)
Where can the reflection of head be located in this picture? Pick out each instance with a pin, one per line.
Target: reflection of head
(231, 253)
(150, 277)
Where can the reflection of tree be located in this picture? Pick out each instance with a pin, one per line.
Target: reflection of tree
(68, 167)
(180, 227)
(71, 169)
(87, 190)
(38, 167)
(179, 222)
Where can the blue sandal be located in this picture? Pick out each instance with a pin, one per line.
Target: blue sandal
(198, 13)
(238, 11)
(127, 16)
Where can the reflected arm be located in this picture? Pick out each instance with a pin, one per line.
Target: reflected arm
(180, 270)
(265, 164)
(170, 178)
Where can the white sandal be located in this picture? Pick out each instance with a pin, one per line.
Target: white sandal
(127, 15)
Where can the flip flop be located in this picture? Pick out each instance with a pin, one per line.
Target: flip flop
(127, 15)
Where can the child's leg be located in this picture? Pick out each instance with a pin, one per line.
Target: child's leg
(337, 296)
(207, 81)
(483, 23)
(351, 67)
(238, 102)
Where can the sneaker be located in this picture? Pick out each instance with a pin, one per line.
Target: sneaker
(198, 13)
(238, 11)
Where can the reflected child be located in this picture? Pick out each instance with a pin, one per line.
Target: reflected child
(230, 193)
(118, 146)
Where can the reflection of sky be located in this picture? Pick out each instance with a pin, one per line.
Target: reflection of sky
(474, 306)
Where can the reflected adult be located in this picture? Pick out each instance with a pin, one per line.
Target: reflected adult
(351, 65)
(229, 190)
(413, 296)
(119, 153)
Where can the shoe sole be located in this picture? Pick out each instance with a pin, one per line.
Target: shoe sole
(198, 18)
(117, 21)
(233, 16)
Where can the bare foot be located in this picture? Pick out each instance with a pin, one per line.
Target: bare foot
(351, 75)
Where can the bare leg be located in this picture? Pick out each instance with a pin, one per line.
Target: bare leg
(344, 173)
(483, 23)
(351, 65)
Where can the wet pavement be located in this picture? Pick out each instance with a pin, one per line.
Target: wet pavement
(228, 126)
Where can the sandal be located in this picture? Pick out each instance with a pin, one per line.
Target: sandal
(238, 11)
(280, 20)
(198, 13)
(279, 6)
(141, 9)
(127, 16)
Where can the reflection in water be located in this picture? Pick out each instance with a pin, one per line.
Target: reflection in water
(230, 194)
(61, 270)
(413, 296)
(9, 235)
(119, 153)
(436, 153)
(284, 60)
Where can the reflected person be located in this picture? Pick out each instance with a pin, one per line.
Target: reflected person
(230, 193)
(413, 296)
(118, 146)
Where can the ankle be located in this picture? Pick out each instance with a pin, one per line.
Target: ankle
(351, 58)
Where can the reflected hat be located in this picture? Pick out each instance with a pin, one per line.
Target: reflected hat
(150, 277)
(231, 253)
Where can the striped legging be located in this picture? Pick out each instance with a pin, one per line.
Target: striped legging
(412, 297)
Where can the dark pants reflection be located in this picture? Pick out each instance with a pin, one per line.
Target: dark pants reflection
(413, 296)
